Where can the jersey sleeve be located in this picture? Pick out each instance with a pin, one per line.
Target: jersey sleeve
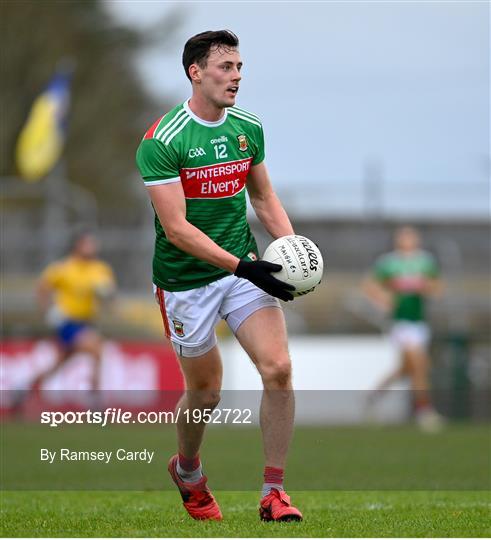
(259, 146)
(381, 269)
(158, 163)
(52, 275)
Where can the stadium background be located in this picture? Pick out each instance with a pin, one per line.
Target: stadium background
(365, 169)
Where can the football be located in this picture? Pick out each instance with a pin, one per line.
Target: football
(301, 261)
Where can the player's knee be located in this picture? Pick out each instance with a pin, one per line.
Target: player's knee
(205, 399)
(213, 400)
(210, 400)
(89, 341)
(277, 373)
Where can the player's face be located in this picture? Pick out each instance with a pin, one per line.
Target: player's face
(407, 239)
(221, 77)
(87, 247)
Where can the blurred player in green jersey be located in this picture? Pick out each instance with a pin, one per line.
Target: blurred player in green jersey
(400, 284)
(197, 162)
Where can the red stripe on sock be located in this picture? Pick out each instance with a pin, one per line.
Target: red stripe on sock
(273, 475)
(189, 464)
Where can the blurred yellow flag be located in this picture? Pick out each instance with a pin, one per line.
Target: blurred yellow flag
(40, 142)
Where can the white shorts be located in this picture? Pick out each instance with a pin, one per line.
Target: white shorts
(410, 334)
(190, 316)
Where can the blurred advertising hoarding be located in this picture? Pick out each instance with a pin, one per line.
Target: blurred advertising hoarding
(131, 373)
(331, 376)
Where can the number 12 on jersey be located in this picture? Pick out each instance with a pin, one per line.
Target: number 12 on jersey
(220, 151)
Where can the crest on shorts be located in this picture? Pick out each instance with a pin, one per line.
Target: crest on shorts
(242, 142)
(178, 328)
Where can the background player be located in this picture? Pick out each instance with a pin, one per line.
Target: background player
(197, 161)
(70, 291)
(400, 284)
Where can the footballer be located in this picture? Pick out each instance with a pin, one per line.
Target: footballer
(400, 284)
(197, 162)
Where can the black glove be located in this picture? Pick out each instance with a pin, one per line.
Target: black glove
(259, 273)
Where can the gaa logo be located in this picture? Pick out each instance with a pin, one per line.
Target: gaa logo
(242, 142)
(196, 152)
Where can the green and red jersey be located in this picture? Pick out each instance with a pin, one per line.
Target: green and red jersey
(212, 161)
(404, 275)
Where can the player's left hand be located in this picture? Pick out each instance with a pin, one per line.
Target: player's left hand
(259, 273)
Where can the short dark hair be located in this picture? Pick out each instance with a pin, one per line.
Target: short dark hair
(197, 48)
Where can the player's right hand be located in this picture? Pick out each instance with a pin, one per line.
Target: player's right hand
(259, 273)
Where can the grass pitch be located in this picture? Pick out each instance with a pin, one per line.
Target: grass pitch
(328, 458)
(364, 482)
(326, 514)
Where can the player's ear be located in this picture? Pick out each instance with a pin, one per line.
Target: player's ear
(195, 73)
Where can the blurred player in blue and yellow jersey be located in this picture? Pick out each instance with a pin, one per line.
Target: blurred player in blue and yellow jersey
(400, 284)
(70, 292)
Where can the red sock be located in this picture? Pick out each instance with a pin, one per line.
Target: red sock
(189, 464)
(273, 475)
(422, 402)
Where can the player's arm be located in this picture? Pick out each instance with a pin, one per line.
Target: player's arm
(433, 287)
(378, 294)
(266, 204)
(433, 284)
(105, 290)
(44, 293)
(105, 287)
(170, 205)
(46, 285)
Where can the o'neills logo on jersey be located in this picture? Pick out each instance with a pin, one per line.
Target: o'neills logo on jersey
(215, 181)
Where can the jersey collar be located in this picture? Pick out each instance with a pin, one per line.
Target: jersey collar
(200, 120)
